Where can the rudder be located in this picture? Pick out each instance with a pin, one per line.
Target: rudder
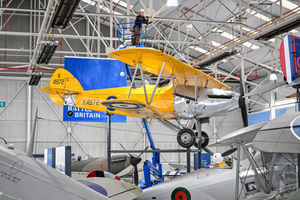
(62, 82)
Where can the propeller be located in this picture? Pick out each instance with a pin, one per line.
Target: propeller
(208, 151)
(134, 161)
(242, 103)
(228, 152)
(3, 140)
(224, 154)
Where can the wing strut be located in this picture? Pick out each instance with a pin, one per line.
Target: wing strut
(143, 80)
(132, 81)
(157, 81)
(196, 87)
(254, 168)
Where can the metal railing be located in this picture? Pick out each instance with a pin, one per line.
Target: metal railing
(126, 32)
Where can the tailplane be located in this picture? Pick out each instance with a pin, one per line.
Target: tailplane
(62, 83)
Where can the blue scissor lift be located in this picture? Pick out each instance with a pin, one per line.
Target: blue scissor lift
(154, 168)
(125, 33)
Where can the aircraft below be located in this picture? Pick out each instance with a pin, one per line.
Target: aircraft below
(118, 164)
(267, 172)
(23, 177)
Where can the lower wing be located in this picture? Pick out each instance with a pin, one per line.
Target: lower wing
(138, 109)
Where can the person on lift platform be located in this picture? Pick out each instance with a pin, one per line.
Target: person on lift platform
(136, 38)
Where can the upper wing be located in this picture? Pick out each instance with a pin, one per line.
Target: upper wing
(280, 135)
(138, 109)
(152, 61)
(245, 135)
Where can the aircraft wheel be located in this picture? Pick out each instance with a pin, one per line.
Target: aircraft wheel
(204, 140)
(186, 138)
(70, 113)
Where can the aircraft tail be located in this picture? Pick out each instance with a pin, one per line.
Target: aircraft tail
(289, 58)
(62, 82)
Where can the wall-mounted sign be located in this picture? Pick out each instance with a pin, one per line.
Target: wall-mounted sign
(94, 74)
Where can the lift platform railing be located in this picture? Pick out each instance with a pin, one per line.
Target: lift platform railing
(126, 32)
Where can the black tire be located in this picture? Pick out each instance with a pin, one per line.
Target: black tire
(186, 138)
(204, 142)
(70, 113)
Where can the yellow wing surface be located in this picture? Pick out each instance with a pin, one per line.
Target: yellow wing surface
(152, 61)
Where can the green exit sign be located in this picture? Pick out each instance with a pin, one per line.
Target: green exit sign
(2, 104)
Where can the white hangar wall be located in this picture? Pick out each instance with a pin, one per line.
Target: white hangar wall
(91, 137)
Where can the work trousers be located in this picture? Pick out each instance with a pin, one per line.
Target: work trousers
(136, 38)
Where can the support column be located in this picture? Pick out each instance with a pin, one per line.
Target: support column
(98, 29)
(272, 104)
(199, 130)
(108, 141)
(28, 114)
(188, 160)
(237, 175)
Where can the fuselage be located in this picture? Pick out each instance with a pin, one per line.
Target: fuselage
(203, 184)
(119, 163)
(209, 101)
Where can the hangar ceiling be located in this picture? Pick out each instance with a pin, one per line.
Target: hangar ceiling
(196, 32)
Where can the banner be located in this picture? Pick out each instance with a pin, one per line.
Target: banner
(95, 73)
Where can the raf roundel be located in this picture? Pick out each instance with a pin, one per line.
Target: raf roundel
(109, 98)
(295, 127)
(180, 194)
(126, 105)
(94, 187)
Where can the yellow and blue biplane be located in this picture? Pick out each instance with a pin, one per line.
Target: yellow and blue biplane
(192, 94)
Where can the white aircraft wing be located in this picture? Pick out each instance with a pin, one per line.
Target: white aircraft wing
(116, 190)
(25, 178)
(280, 135)
(245, 135)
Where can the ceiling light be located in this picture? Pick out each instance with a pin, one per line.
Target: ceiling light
(273, 77)
(47, 52)
(63, 13)
(294, 31)
(258, 15)
(172, 3)
(90, 2)
(272, 40)
(189, 27)
(214, 43)
(35, 79)
(198, 49)
(250, 45)
(286, 4)
(234, 38)
(224, 60)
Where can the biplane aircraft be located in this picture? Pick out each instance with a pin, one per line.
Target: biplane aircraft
(191, 93)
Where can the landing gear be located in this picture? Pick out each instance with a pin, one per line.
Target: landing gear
(204, 140)
(186, 138)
